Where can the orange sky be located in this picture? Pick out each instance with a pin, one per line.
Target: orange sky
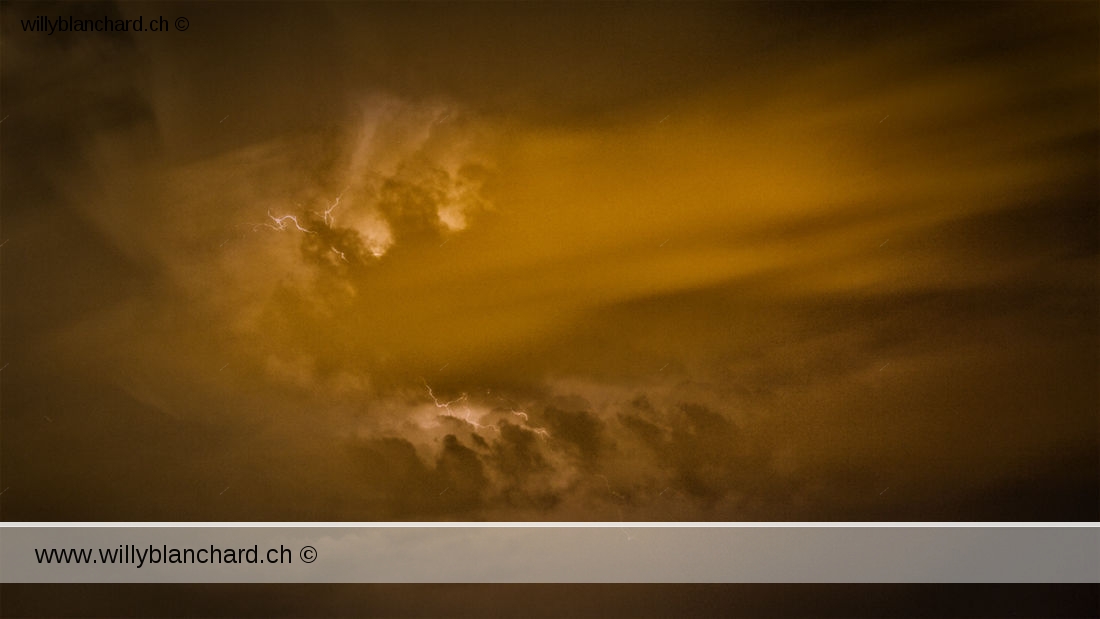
(666, 262)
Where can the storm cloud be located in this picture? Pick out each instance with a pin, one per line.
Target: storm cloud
(534, 262)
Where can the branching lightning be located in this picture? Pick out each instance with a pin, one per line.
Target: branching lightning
(540, 431)
(279, 223)
(327, 216)
(446, 406)
(286, 222)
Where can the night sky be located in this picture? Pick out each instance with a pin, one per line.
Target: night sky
(552, 261)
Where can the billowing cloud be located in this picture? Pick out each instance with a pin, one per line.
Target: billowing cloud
(691, 262)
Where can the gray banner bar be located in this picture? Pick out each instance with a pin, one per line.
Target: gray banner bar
(602, 554)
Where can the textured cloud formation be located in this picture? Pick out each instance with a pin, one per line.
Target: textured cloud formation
(691, 262)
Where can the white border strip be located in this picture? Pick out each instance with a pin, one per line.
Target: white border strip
(552, 525)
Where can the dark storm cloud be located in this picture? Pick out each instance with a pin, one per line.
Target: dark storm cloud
(63, 94)
(517, 454)
(581, 430)
(702, 449)
(618, 261)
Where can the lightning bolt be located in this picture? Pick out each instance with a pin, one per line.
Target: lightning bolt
(540, 431)
(280, 223)
(285, 222)
(327, 216)
(446, 406)
(475, 424)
